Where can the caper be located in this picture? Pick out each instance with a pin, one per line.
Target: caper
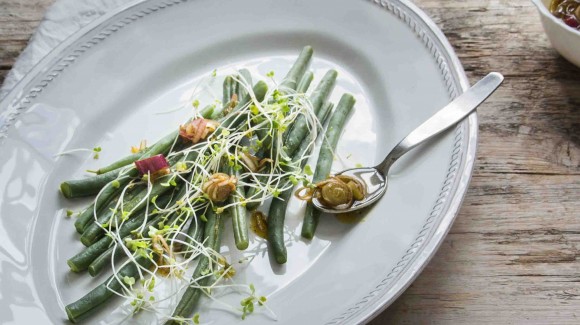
(335, 193)
(219, 187)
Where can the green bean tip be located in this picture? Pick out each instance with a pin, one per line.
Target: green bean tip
(281, 259)
(66, 190)
(69, 314)
(242, 245)
(72, 266)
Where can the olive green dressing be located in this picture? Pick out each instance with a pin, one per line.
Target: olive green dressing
(350, 217)
(259, 224)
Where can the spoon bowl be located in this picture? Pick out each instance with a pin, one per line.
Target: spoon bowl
(375, 178)
(375, 183)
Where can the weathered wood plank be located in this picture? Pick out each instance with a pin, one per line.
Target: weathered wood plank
(18, 19)
(23, 10)
(3, 74)
(9, 52)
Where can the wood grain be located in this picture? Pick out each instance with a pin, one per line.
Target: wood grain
(512, 255)
(18, 19)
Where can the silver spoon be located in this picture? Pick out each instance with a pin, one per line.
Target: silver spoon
(375, 178)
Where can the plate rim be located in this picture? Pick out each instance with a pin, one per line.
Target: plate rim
(455, 186)
(454, 189)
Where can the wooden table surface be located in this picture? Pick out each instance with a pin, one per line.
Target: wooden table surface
(511, 257)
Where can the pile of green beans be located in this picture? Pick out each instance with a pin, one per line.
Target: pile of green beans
(114, 181)
(113, 178)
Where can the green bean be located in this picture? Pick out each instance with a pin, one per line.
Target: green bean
(276, 216)
(194, 233)
(84, 258)
(101, 261)
(305, 82)
(325, 112)
(235, 89)
(127, 160)
(207, 111)
(94, 232)
(246, 76)
(290, 82)
(325, 158)
(231, 87)
(107, 214)
(162, 146)
(92, 185)
(87, 186)
(104, 292)
(297, 70)
(300, 126)
(104, 259)
(234, 119)
(260, 89)
(277, 212)
(227, 90)
(323, 90)
(97, 262)
(157, 190)
(86, 216)
(213, 231)
(156, 221)
(105, 196)
(98, 295)
(238, 214)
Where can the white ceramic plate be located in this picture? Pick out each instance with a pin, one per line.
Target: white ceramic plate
(104, 85)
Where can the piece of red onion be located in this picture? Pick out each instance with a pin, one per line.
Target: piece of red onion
(152, 164)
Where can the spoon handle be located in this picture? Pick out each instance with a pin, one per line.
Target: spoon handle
(448, 116)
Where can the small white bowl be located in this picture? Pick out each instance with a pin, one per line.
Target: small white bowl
(564, 39)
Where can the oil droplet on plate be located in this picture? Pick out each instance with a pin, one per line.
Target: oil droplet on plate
(259, 224)
(350, 217)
